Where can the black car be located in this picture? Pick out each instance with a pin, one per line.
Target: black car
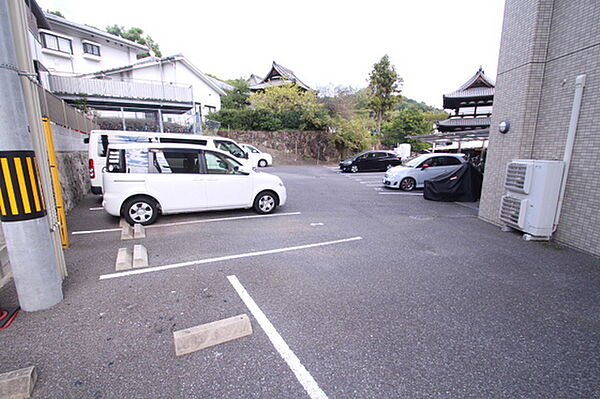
(370, 161)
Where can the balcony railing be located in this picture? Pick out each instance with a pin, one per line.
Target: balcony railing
(121, 89)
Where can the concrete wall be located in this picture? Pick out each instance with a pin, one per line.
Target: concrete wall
(545, 45)
(309, 144)
(72, 158)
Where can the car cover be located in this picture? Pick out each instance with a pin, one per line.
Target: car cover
(461, 185)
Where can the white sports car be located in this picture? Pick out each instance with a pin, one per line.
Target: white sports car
(413, 174)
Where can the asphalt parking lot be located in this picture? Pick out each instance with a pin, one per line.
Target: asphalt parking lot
(375, 294)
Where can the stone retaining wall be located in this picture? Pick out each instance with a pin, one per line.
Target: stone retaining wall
(311, 144)
(72, 158)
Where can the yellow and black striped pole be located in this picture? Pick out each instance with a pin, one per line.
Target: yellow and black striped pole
(25, 224)
(20, 194)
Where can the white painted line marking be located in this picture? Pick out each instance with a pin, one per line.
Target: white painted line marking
(370, 182)
(374, 185)
(420, 194)
(97, 208)
(94, 231)
(192, 222)
(378, 188)
(303, 376)
(223, 258)
(317, 224)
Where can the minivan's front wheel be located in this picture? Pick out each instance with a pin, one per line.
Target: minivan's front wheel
(142, 210)
(265, 202)
(262, 163)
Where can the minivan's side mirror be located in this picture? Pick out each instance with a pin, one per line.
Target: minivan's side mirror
(241, 170)
(246, 155)
(86, 140)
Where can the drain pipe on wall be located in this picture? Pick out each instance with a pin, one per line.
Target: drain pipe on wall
(579, 85)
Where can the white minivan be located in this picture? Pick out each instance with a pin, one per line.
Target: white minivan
(99, 141)
(142, 181)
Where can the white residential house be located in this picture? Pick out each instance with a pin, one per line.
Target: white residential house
(171, 71)
(76, 60)
(69, 48)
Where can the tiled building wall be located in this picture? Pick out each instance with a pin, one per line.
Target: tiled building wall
(545, 45)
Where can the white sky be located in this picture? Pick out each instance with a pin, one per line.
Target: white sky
(435, 45)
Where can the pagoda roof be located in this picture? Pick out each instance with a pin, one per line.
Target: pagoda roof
(253, 80)
(477, 91)
(457, 124)
(277, 76)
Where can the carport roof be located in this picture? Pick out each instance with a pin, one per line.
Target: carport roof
(467, 135)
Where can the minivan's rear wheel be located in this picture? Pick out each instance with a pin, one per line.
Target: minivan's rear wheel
(408, 184)
(262, 163)
(265, 202)
(354, 169)
(142, 210)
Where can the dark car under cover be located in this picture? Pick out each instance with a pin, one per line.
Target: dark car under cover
(461, 185)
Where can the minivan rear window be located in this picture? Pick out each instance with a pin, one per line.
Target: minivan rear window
(106, 139)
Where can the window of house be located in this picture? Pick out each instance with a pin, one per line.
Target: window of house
(56, 43)
(210, 109)
(89, 48)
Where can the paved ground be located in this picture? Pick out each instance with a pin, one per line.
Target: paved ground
(430, 302)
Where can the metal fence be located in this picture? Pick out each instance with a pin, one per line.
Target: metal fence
(63, 114)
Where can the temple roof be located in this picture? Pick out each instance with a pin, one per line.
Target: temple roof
(456, 124)
(478, 90)
(277, 76)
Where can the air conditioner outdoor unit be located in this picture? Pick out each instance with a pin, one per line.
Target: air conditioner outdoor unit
(533, 190)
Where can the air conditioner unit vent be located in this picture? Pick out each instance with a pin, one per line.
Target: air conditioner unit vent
(533, 187)
(512, 210)
(518, 177)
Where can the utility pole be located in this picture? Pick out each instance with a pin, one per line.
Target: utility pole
(22, 208)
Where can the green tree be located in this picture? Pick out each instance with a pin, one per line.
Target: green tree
(56, 12)
(238, 97)
(353, 135)
(289, 99)
(406, 123)
(136, 35)
(384, 89)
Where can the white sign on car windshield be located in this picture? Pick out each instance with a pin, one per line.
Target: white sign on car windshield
(162, 162)
(137, 160)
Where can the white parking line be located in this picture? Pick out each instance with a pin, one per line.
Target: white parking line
(420, 194)
(98, 208)
(374, 185)
(191, 222)
(223, 258)
(303, 376)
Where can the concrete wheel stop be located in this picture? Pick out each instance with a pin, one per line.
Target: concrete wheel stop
(206, 335)
(18, 384)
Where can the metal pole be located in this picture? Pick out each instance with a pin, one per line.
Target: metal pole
(22, 209)
(574, 120)
(123, 119)
(160, 121)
